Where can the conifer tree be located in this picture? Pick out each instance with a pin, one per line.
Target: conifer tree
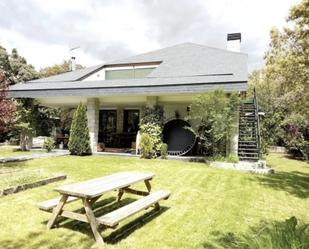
(79, 141)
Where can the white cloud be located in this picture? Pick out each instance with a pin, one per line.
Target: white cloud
(43, 31)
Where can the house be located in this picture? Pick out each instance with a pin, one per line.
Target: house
(117, 92)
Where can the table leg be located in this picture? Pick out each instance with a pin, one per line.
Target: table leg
(148, 185)
(120, 194)
(57, 210)
(92, 221)
(93, 200)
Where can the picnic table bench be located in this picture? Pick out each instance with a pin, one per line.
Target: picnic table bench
(90, 191)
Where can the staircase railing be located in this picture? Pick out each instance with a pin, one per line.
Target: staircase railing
(257, 118)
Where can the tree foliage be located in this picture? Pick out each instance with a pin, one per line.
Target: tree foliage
(282, 85)
(21, 70)
(30, 118)
(79, 141)
(63, 67)
(7, 106)
(212, 118)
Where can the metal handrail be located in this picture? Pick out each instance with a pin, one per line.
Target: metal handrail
(257, 118)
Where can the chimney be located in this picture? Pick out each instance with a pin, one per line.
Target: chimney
(233, 42)
(72, 64)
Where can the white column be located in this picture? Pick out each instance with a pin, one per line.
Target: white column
(93, 122)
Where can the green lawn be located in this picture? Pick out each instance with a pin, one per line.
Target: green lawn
(9, 151)
(208, 208)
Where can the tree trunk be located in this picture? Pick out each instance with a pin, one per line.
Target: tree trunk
(25, 141)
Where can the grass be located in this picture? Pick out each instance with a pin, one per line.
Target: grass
(10, 151)
(208, 208)
(11, 178)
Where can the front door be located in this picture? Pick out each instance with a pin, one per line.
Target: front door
(107, 127)
(131, 121)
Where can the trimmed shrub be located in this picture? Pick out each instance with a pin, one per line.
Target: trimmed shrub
(147, 146)
(49, 144)
(79, 141)
(163, 151)
(155, 133)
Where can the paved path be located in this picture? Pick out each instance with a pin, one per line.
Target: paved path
(33, 156)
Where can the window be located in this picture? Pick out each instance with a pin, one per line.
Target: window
(131, 121)
(128, 73)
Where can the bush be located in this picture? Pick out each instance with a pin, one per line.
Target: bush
(153, 115)
(213, 116)
(231, 158)
(49, 144)
(163, 151)
(281, 235)
(295, 135)
(155, 133)
(152, 124)
(79, 134)
(147, 146)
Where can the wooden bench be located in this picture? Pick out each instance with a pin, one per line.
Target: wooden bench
(52, 203)
(113, 218)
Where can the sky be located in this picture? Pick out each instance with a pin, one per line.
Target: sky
(105, 30)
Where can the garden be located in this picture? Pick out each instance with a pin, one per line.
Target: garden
(208, 207)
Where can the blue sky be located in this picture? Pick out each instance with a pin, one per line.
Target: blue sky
(43, 31)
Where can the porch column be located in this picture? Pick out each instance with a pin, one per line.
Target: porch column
(151, 101)
(93, 122)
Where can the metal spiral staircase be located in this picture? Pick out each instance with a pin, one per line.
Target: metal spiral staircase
(249, 143)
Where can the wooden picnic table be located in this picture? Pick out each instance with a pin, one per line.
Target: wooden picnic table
(91, 190)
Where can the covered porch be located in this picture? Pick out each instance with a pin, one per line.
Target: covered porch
(113, 122)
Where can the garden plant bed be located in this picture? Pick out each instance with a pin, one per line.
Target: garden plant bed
(25, 181)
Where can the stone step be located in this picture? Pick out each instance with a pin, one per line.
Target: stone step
(243, 158)
(248, 154)
(248, 148)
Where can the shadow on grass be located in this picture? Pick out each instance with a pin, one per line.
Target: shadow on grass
(105, 206)
(126, 230)
(287, 234)
(295, 182)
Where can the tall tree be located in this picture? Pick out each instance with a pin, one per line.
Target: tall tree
(79, 141)
(7, 106)
(282, 85)
(21, 70)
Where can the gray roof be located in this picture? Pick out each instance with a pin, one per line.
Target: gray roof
(189, 59)
(70, 76)
(181, 66)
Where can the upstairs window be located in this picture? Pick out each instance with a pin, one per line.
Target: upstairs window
(133, 73)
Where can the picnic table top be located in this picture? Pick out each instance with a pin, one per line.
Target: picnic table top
(98, 186)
